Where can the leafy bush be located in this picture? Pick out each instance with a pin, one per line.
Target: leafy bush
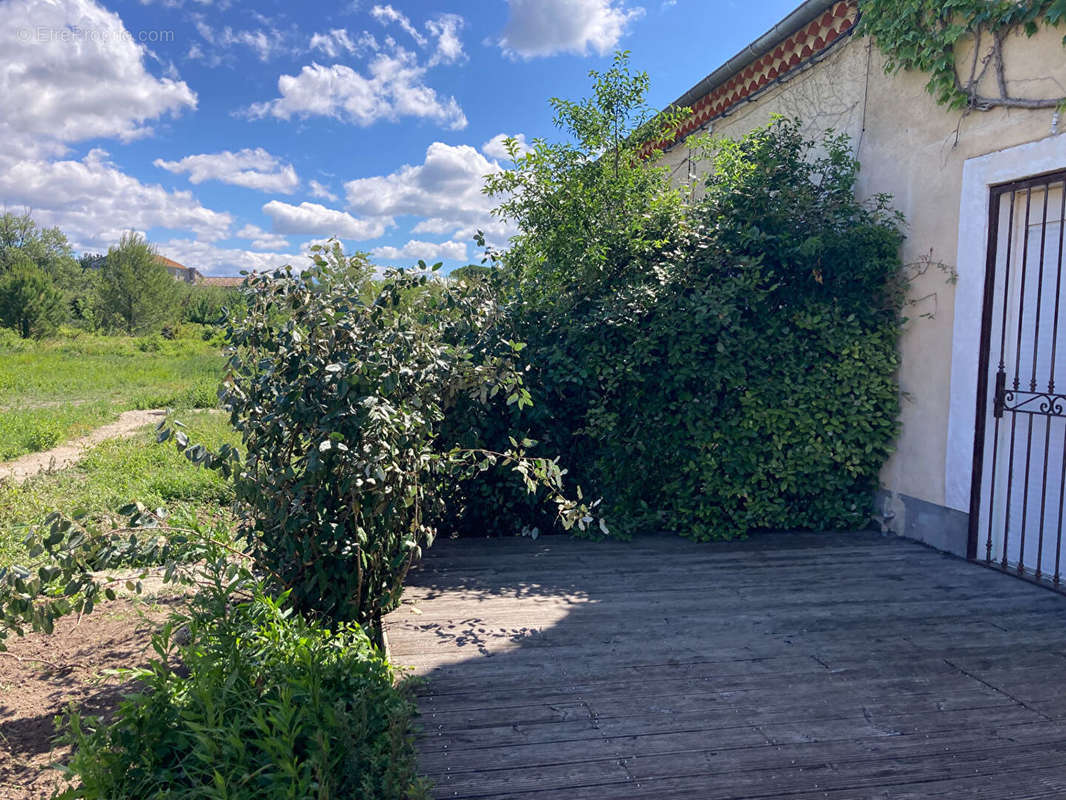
(256, 703)
(339, 389)
(207, 305)
(735, 373)
(591, 210)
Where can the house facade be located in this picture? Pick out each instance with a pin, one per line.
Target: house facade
(980, 464)
(179, 272)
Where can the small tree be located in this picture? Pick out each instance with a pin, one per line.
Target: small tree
(29, 301)
(340, 386)
(591, 210)
(47, 248)
(135, 289)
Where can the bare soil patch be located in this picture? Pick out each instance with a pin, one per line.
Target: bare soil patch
(64, 455)
(42, 675)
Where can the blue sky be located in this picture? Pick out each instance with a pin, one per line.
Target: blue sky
(233, 135)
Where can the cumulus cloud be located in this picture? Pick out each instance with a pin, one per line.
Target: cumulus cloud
(212, 259)
(427, 251)
(443, 30)
(251, 168)
(392, 84)
(494, 147)
(261, 239)
(321, 190)
(445, 186)
(546, 27)
(76, 73)
(93, 201)
(394, 87)
(314, 219)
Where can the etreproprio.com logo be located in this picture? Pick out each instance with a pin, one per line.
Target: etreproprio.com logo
(45, 34)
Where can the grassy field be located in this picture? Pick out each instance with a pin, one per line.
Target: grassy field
(115, 473)
(57, 389)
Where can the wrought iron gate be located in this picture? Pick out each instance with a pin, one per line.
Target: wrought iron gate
(1019, 475)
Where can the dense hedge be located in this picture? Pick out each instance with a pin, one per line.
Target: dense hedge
(745, 378)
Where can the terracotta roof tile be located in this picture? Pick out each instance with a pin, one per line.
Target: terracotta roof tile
(802, 45)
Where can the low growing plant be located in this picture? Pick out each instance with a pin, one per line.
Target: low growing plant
(256, 702)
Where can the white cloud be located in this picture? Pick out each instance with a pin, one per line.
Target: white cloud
(261, 239)
(391, 86)
(494, 147)
(337, 42)
(447, 185)
(211, 259)
(386, 14)
(427, 251)
(251, 168)
(93, 201)
(394, 88)
(546, 27)
(435, 225)
(71, 71)
(321, 190)
(315, 219)
(445, 29)
(265, 42)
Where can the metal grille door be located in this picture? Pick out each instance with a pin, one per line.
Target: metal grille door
(1019, 485)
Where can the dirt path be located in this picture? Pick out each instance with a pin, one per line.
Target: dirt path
(63, 456)
(41, 675)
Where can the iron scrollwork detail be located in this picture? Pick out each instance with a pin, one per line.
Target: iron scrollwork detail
(1041, 403)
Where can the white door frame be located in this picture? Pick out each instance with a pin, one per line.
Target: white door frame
(979, 174)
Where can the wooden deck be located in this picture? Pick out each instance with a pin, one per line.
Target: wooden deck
(792, 666)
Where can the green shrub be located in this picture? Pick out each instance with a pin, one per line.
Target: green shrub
(742, 377)
(11, 342)
(755, 378)
(150, 344)
(339, 389)
(258, 703)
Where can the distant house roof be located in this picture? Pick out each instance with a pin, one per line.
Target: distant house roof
(181, 272)
(211, 280)
(172, 264)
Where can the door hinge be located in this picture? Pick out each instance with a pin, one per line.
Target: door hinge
(1000, 400)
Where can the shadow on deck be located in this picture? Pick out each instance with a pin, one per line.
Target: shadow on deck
(791, 665)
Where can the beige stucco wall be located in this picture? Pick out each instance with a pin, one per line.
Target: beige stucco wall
(914, 150)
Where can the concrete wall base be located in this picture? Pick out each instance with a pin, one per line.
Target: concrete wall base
(938, 526)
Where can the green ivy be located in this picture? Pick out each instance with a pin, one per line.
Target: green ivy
(924, 35)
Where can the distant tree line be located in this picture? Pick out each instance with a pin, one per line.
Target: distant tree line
(127, 289)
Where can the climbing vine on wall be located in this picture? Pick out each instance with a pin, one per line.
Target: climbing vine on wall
(925, 34)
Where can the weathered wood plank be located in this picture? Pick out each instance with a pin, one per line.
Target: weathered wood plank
(800, 666)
